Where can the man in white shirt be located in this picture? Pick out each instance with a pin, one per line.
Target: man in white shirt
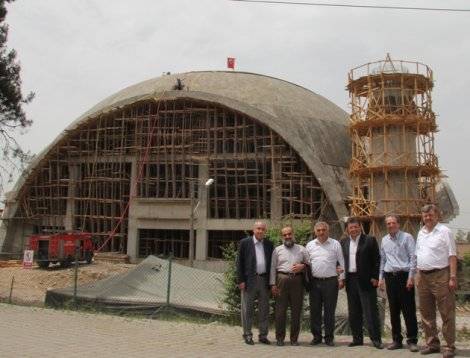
(325, 256)
(286, 280)
(437, 265)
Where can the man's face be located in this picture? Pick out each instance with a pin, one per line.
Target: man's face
(287, 236)
(259, 230)
(321, 232)
(354, 230)
(392, 225)
(430, 218)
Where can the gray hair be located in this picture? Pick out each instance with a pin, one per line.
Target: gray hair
(321, 223)
(430, 207)
(260, 223)
(393, 216)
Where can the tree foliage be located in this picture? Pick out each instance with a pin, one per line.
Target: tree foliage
(13, 119)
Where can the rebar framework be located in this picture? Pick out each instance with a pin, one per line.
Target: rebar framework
(394, 168)
(88, 179)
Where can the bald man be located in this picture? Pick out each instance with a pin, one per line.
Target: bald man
(253, 267)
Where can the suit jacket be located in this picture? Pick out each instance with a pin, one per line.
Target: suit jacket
(246, 260)
(367, 260)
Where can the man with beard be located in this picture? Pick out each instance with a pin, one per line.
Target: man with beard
(326, 257)
(287, 266)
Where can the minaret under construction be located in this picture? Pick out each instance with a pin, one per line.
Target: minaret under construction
(394, 168)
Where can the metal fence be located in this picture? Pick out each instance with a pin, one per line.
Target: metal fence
(149, 288)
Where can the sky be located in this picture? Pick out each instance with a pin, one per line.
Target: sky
(75, 53)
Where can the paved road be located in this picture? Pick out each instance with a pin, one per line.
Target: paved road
(37, 332)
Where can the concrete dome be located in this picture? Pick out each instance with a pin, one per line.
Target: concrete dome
(313, 126)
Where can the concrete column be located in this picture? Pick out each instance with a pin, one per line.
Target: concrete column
(202, 237)
(132, 231)
(276, 192)
(74, 175)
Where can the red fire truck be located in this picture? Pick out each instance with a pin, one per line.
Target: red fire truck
(61, 248)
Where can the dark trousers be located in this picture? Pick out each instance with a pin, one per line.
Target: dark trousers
(323, 297)
(291, 294)
(362, 303)
(401, 300)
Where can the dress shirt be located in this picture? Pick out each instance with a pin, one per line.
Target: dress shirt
(433, 248)
(397, 253)
(260, 258)
(325, 257)
(352, 253)
(284, 258)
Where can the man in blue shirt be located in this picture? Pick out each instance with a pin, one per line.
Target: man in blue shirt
(397, 271)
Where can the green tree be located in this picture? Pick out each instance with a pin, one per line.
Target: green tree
(12, 116)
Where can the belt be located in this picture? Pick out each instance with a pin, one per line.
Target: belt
(426, 272)
(396, 273)
(291, 274)
(325, 278)
(262, 274)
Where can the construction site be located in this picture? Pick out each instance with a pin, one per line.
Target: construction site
(184, 163)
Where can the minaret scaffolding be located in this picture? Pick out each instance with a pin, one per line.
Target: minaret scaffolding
(394, 168)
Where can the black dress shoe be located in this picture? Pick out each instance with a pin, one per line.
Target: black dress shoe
(355, 344)
(264, 341)
(249, 341)
(330, 343)
(294, 343)
(395, 345)
(378, 344)
(279, 343)
(315, 342)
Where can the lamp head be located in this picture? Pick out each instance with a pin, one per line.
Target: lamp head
(209, 182)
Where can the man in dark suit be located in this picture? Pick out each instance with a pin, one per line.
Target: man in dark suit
(362, 265)
(253, 266)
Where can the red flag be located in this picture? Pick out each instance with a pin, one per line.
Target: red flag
(231, 62)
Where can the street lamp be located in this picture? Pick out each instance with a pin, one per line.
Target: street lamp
(207, 184)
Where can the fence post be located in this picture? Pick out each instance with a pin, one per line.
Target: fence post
(11, 289)
(168, 288)
(75, 274)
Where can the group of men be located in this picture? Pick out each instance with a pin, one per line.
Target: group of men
(358, 264)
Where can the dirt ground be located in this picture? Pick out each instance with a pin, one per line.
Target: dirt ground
(30, 285)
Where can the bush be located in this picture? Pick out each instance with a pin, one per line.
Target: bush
(466, 260)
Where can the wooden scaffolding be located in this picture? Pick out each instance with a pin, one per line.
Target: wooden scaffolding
(86, 181)
(394, 168)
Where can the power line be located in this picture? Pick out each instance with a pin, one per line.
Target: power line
(272, 2)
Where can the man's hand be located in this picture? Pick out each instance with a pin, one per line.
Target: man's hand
(241, 286)
(453, 283)
(382, 285)
(296, 268)
(410, 283)
(374, 282)
(340, 284)
(275, 291)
